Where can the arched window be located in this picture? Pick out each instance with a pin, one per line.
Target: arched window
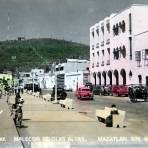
(123, 26)
(140, 79)
(114, 28)
(117, 29)
(123, 51)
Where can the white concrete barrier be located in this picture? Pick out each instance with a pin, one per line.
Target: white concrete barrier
(118, 119)
(67, 103)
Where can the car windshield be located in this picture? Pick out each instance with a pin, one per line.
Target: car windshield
(85, 89)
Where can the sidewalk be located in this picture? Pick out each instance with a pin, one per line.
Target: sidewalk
(8, 130)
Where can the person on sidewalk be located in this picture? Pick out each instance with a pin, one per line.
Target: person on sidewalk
(13, 112)
(109, 119)
(17, 97)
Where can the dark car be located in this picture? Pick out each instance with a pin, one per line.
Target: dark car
(106, 90)
(61, 94)
(30, 87)
(138, 92)
(96, 89)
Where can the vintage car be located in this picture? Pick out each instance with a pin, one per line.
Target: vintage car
(30, 87)
(61, 94)
(106, 90)
(120, 90)
(102, 90)
(84, 93)
(136, 92)
(96, 89)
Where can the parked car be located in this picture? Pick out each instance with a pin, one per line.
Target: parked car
(61, 94)
(119, 90)
(84, 93)
(97, 89)
(138, 92)
(106, 90)
(30, 87)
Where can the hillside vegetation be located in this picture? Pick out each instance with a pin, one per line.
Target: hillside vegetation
(34, 53)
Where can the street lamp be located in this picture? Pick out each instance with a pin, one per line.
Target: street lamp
(55, 74)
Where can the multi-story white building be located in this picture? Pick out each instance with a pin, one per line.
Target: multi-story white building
(72, 74)
(119, 48)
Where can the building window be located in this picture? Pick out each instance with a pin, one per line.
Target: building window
(92, 47)
(102, 64)
(102, 43)
(116, 53)
(108, 49)
(123, 51)
(145, 56)
(92, 33)
(102, 28)
(93, 54)
(103, 52)
(97, 31)
(107, 41)
(130, 44)
(97, 64)
(140, 79)
(114, 27)
(130, 23)
(138, 55)
(123, 26)
(61, 68)
(97, 45)
(98, 53)
(108, 62)
(108, 27)
(118, 28)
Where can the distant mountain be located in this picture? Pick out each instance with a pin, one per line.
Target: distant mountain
(26, 54)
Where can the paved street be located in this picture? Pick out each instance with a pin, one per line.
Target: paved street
(46, 120)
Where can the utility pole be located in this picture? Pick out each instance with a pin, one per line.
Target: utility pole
(55, 96)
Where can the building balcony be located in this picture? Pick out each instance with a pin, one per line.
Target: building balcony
(102, 43)
(108, 62)
(97, 45)
(92, 47)
(97, 64)
(107, 41)
(102, 64)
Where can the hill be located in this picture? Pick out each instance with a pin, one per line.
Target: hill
(34, 53)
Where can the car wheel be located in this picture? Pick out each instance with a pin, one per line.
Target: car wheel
(132, 96)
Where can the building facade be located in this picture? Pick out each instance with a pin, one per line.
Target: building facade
(119, 48)
(72, 73)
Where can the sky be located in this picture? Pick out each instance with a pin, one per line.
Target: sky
(61, 19)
